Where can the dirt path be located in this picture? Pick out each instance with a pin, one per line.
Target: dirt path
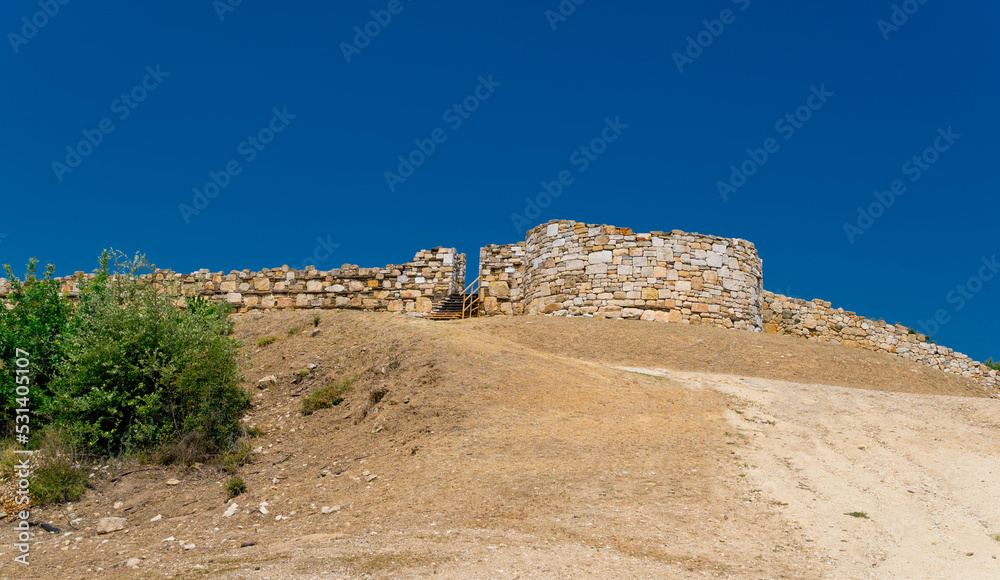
(924, 469)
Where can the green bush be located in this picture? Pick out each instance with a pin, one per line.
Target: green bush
(993, 365)
(37, 317)
(235, 486)
(326, 396)
(266, 340)
(138, 372)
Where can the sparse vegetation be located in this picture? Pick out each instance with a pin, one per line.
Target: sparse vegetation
(266, 340)
(238, 456)
(327, 396)
(993, 365)
(57, 475)
(857, 515)
(235, 486)
(293, 331)
(315, 319)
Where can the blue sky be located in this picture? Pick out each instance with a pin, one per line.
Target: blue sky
(167, 95)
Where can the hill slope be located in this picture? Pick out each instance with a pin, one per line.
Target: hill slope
(522, 447)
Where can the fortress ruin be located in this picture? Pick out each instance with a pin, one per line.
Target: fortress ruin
(567, 268)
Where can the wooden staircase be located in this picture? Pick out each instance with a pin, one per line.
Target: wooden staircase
(460, 305)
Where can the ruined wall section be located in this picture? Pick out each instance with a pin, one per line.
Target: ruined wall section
(410, 288)
(818, 320)
(502, 274)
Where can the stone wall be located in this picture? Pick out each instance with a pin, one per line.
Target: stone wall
(502, 270)
(565, 268)
(817, 320)
(576, 269)
(409, 287)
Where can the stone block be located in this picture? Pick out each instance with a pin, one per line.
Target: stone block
(602, 257)
(500, 289)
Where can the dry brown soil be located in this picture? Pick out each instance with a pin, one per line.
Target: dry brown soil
(561, 448)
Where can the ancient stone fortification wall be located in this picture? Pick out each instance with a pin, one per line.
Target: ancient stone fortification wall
(576, 269)
(502, 270)
(409, 287)
(565, 268)
(817, 320)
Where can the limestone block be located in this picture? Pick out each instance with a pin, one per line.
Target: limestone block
(602, 257)
(500, 289)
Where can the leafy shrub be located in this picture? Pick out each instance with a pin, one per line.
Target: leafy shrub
(316, 319)
(993, 365)
(235, 486)
(326, 396)
(37, 317)
(138, 372)
(266, 340)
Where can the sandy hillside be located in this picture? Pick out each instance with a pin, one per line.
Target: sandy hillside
(552, 448)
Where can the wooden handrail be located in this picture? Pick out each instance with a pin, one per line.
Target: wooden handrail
(466, 304)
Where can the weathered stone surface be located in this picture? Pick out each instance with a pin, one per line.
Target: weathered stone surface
(499, 289)
(108, 525)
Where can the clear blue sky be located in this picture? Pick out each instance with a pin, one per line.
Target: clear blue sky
(886, 91)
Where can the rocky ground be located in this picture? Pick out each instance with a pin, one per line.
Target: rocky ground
(553, 448)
